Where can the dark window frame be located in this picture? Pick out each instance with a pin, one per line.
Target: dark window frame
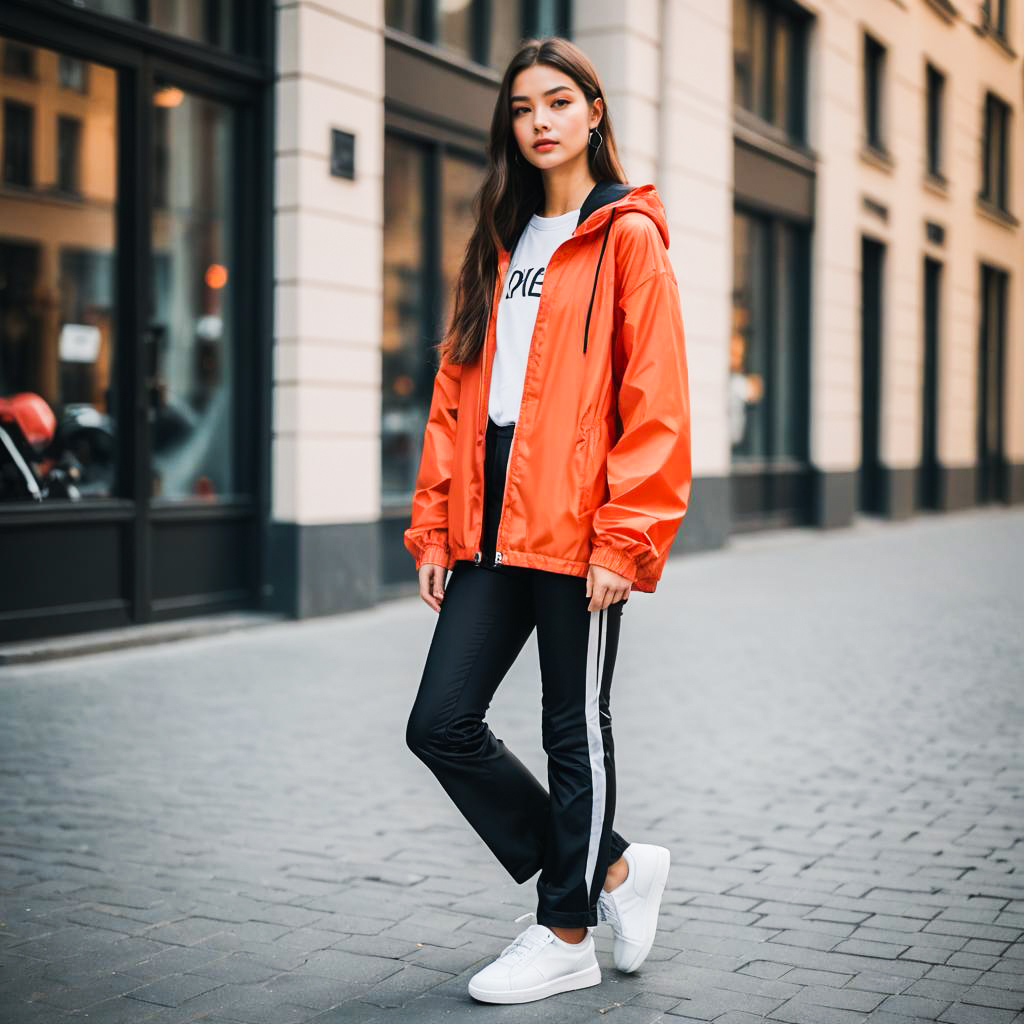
(427, 31)
(780, 16)
(26, 156)
(995, 152)
(72, 184)
(995, 18)
(65, 61)
(875, 67)
(14, 49)
(935, 104)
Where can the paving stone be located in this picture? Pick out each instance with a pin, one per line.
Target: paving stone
(797, 1012)
(839, 998)
(926, 954)
(965, 1013)
(767, 969)
(712, 1003)
(174, 989)
(915, 1006)
(862, 947)
(1006, 998)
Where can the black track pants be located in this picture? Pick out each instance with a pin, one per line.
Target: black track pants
(487, 614)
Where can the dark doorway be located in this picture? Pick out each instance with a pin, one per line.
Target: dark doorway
(991, 413)
(928, 476)
(871, 299)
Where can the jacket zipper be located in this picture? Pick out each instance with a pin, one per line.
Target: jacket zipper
(504, 494)
(478, 557)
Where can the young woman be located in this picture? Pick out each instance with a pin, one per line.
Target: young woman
(554, 477)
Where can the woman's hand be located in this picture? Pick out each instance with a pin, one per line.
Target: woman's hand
(432, 584)
(605, 587)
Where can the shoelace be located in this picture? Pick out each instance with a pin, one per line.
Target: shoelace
(524, 943)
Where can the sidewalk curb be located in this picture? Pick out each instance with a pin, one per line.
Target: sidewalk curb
(75, 644)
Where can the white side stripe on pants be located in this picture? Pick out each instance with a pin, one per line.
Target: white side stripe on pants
(595, 670)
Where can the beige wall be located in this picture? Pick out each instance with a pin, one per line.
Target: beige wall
(914, 34)
(328, 244)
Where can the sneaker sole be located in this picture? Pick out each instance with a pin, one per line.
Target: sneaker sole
(568, 983)
(653, 910)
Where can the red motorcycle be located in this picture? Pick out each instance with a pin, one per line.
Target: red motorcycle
(42, 457)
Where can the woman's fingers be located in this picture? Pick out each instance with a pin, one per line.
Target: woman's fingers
(605, 596)
(432, 585)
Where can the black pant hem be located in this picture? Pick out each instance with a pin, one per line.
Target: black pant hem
(564, 919)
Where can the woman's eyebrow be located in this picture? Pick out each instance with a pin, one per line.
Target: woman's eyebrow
(547, 93)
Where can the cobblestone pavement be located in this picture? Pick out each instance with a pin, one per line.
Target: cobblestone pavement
(825, 728)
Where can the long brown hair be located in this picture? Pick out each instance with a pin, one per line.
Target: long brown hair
(513, 190)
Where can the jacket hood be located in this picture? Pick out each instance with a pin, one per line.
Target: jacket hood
(608, 195)
(609, 198)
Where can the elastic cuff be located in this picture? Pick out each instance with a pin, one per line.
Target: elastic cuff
(435, 554)
(615, 559)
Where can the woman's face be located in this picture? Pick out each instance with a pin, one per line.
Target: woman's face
(548, 104)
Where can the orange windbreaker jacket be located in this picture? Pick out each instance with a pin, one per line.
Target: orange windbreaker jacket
(599, 466)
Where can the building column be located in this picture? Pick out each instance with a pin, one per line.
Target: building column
(328, 304)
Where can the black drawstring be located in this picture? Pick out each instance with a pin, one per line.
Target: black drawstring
(593, 290)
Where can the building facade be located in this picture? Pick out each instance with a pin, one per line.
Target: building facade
(230, 231)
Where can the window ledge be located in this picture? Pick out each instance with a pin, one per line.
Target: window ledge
(997, 38)
(880, 158)
(996, 213)
(443, 57)
(944, 9)
(749, 465)
(767, 137)
(936, 183)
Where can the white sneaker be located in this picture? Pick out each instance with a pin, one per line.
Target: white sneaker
(632, 908)
(537, 964)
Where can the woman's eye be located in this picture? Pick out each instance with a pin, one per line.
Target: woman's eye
(516, 111)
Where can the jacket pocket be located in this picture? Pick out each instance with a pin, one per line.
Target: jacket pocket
(584, 466)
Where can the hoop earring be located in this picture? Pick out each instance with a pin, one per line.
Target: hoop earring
(600, 138)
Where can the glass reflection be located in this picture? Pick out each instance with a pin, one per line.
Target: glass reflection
(58, 212)
(768, 345)
(226, 24)
(405, 336)
(189, 346)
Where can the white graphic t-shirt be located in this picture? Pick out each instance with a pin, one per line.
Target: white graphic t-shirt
(517, 310)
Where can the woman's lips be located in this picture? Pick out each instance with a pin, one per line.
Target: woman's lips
(545, 145)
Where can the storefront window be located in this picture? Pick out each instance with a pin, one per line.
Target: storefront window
(768, 377)
(58, 337)
(189, 355)
(226, 24)
(460, 181)
(406, 334)
(456, 28)
(485, 31)
(769, 63)
(417, 297)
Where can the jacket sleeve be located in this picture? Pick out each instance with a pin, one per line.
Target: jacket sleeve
(648, 467)
(427, 536)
